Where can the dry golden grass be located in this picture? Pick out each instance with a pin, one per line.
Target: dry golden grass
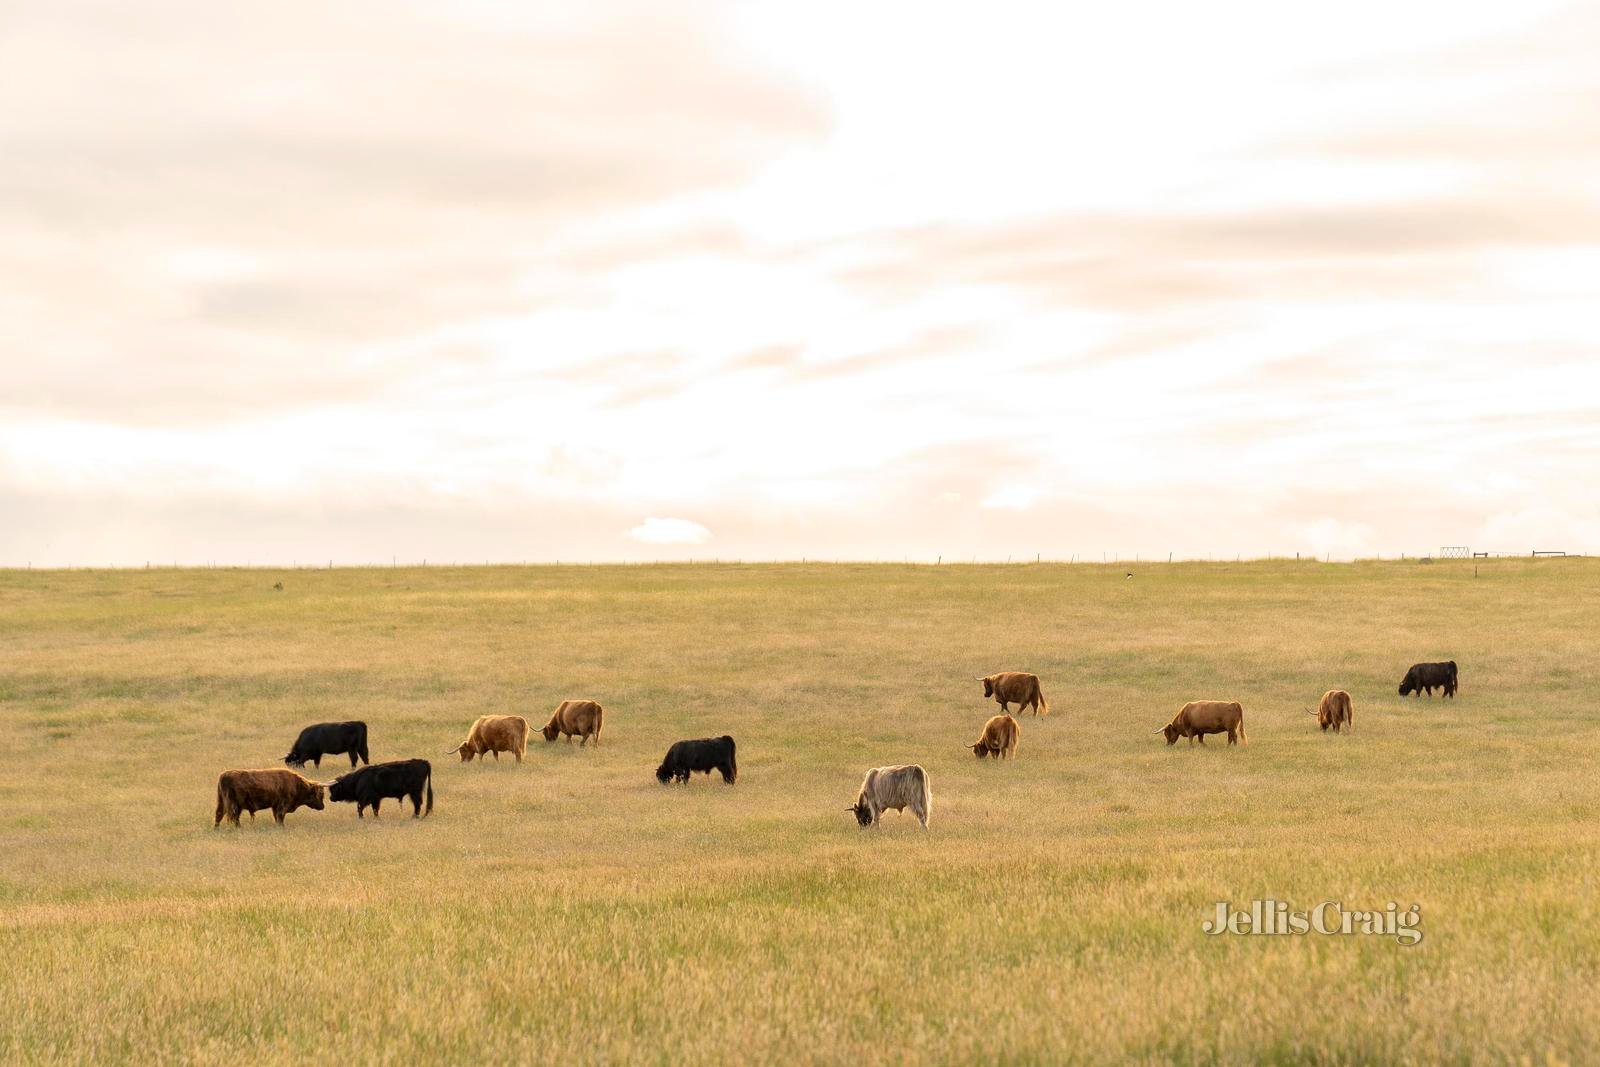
(570, 909)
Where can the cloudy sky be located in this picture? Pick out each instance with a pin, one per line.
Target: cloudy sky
(470, 281)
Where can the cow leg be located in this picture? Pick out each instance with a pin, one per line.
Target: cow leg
(277, 814)
(416, 804)
(497, 755)
(352, 758)
(318, 760)
(1202, 738)
(361, 810)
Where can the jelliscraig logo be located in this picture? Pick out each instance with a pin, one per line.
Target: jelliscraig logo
(1274, 917)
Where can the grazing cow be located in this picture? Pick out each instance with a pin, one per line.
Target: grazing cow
(398, 778)
(329, 739)
(581, 718)
(274, 788)
(1334, 710)
(497, 734)
(705, 755)
(1015, 687)
(999, 738)
(1200, 717)
(1430, 676)
(893, 787)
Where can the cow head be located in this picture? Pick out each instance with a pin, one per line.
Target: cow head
(467, 750)
(988, 686)
(342, 788)
(294, 759)
(980, 750)
(1406, 687)
(862, 811)
(551, 730)
(316, 793)
(663, 774)
(1172, 733)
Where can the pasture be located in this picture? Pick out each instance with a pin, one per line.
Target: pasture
(572, 909)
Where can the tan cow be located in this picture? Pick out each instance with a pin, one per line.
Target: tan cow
(1335, 710)
(275, 788)
(1015, 687)
(576, 718)
(497, 734)
(999, 738)
(1200, 717)
(893, 787)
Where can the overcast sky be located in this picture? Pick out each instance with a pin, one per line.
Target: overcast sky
(468, 281)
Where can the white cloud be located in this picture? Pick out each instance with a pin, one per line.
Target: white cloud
(1013, 498)
(654, 531)
(1340, 540)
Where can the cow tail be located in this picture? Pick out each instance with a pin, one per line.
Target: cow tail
(1038, 694)
(1243, 740)
(429, 809)
(221, 808)
(363, 748)
(927, 800)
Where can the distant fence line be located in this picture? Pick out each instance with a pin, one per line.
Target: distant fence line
(1107, 559)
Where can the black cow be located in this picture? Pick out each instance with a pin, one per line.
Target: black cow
(329, 739)
(705, 755)
(398, 778)
(1430, 676)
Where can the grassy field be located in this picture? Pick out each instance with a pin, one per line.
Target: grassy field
(570, 909)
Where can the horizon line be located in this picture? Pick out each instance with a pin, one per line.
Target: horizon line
(807, 561)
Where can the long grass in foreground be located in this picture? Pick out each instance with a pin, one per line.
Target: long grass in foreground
(571, 909)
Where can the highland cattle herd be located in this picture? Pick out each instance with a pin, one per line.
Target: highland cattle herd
(896, 788)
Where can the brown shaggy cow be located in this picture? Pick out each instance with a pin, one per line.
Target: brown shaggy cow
(497, 734)
(580, 718)
(999, 738)
(277, 788)
(1334, 710)
(1015, 687)
(1200, 717)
